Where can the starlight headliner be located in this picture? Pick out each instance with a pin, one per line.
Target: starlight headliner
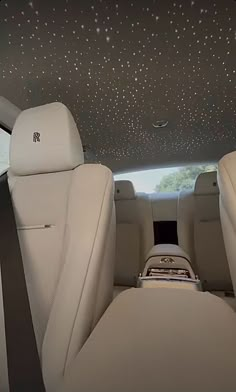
(119, 66)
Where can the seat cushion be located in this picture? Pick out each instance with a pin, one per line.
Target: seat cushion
(164, 340)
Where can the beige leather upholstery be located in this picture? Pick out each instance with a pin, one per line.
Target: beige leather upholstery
(185, 223)
(210, 253)
(227, 184)
(134, 233)
(168, 250)
(180, 259)
(165, 340)
(164, 206)
(59, 147)
(66, 232)
(124, 190)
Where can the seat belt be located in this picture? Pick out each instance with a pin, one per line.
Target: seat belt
(24, 368)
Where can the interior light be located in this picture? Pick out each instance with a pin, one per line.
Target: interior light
(160, 124)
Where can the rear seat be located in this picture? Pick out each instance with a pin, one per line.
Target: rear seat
(134, 237)
(199, 234)
(185, 223)
(210, 253)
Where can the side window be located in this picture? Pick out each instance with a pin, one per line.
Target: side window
(4, 150)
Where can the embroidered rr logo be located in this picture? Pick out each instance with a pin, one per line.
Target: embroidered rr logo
(36, 137)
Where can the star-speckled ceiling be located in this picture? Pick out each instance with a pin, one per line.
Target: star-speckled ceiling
(123, 66)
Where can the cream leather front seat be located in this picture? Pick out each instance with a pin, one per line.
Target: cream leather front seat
(67, 236)
(227, 185)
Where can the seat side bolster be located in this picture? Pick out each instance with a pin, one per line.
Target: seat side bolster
(74, 308)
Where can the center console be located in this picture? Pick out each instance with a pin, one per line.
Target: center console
(168, 265)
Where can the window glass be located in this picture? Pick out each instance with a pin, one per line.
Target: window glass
(4, 150)
(172, 179)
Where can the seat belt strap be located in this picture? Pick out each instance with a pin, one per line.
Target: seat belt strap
(24, 368)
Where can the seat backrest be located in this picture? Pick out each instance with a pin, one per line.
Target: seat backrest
(134, 229)
(227, 185)
(185, 223)
(210, 253)
(66, 233)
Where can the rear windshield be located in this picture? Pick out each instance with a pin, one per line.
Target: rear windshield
(172, 179)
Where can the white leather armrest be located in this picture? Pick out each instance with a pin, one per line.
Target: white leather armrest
(166, 340)
(167, 250)
(168, 257)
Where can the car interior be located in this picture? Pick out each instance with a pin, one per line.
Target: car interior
(117, 196)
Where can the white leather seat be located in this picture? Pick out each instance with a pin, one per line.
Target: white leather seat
(135, 235)
(227, 184)
(210, 255)
(185, 223)
(159, 340)
(67, 236)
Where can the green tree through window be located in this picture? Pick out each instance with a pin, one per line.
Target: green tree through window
(183, 179)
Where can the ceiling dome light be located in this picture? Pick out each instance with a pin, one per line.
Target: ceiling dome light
(160, 124)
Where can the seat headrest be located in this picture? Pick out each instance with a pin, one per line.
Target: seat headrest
(227, 172)
(45, 139)
(124, 190)
(206, 184)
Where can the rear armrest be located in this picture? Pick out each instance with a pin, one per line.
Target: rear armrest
(154, 340)
(167, 250)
